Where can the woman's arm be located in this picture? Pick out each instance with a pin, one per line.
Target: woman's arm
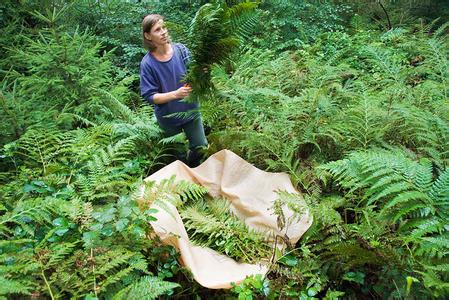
(161, 98)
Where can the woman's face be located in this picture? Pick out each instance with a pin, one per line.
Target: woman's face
(158, 34)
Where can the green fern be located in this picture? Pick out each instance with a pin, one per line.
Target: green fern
(214, 34)
(390, 179)
(404, 193)
(103, 177)
(423, 130)
(148, 287)
(171, 191)
(211, 224)
(8, 287)
(24, 215)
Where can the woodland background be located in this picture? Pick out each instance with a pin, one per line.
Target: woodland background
(350, 98)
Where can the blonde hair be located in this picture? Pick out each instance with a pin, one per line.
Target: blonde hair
(147, 23)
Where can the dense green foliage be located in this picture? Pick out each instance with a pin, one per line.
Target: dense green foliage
(356, 113)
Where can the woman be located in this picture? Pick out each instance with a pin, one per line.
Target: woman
(161, 83)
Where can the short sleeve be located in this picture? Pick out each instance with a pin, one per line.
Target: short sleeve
(148, 82)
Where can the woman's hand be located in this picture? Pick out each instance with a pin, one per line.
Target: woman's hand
(182, 92)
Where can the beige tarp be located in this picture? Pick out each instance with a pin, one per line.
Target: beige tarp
(251, 192)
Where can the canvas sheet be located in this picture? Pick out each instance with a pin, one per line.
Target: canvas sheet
(251, 193)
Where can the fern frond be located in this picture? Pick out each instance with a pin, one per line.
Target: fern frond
(210, 224)
(242, 18)
(104, 176)
(58, 253)
(353, 254)
(439, 191)
(40, 145)
(190, 191)
(433, 281)
(433, 247)
(171, 191)
(408, 210)
(214, 34)
(10, 286)
(117, 258)
(422, 227)
(364, 124)
(148, 287)
(441, 30)
(423, 130)
(116, 277)
(38, 212)
(407, 196)
(402, 184)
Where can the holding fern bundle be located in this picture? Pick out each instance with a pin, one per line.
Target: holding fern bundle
(161, 83)
(216, 31)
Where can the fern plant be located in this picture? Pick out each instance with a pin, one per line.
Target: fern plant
(148, 287)
(209, 223)
(170, 191)
(421, 130)
(214, 34)
(405, 194)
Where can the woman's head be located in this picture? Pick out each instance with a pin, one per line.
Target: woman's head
(154, 32)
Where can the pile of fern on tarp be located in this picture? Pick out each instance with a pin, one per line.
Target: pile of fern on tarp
(210, 223)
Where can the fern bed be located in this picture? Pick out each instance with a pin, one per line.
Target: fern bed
(210, 223)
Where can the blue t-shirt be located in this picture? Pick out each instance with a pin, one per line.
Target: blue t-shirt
(163, 77)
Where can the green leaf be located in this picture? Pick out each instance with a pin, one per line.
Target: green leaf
(151, 211)
(125, 212)
(61, 222)
(410, 281)
(121, 224)
(61, 232)
(96, 227)
(289, 260)
(105, 216)
(357, 277)
(107, 230)
(138, 231)
(312, 292)
(90, 297)
(90, 238)
(37, 186)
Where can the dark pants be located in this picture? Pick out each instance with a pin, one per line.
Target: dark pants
(194, 131)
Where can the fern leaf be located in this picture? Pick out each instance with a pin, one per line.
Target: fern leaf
(406, 197)
(59, 252)
(387, 190)
(440, 189)
(10, 286)
(118, 257)
(148, 287)
(115, 277)
(215, 32)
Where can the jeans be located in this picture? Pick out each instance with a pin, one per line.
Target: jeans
(194, 131)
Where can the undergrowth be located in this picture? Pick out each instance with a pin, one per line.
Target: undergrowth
(358, 119)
